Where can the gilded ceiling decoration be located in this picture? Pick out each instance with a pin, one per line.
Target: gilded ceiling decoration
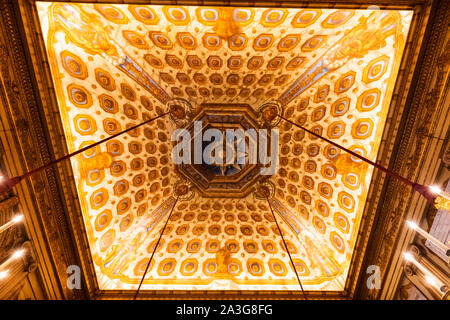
(115, 66)
(229, 179)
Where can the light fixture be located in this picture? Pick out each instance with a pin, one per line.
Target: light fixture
(3, 274)
(429, 277)
(17, 218)
(13, 221)
(412, 225)
(18, 254)
(429, 237)
(431, 280)
(435, 189)
(440, 192)
(408, 256)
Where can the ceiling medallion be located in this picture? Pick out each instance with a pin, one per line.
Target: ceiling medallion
(264, 190)
(229, 173)
(269, 112)
(180, 111)
(183, 190)
(225, 165)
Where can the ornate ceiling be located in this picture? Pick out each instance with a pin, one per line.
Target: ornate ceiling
(332, 71)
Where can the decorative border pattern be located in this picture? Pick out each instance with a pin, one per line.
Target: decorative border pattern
(26, 100)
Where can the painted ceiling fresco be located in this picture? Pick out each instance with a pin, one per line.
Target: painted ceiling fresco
(332, 71)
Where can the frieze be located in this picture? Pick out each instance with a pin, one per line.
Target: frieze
(33, 142)
(24, 115)
(410, 152)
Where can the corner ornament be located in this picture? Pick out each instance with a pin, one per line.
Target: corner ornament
(264, 190)
(180, 111)
(269, 112)
(183, 190)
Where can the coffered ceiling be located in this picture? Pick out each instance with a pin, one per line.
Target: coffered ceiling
(332, 71)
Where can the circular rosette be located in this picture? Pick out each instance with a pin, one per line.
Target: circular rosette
(180, 111)
(268, 114)
(183, 190)
(264, 190)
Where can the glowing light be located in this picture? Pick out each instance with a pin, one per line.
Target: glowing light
(3, 274)
(18, 254)
(408, 256)
(14, 220)
(429, 237)
(429, 277)
(435, 189)
(432, 281)
(443, 201)
(412, 225)
(18, 218)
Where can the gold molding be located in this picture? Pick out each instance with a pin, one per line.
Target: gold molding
(408, 153)
(35, 102)
(41, 195)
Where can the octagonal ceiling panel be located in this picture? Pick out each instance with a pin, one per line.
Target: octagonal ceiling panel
(228, 179)
(115, 66)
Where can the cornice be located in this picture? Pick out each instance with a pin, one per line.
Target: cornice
(393, 4)
(408, 153)
(31, 100)
(21, 105)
